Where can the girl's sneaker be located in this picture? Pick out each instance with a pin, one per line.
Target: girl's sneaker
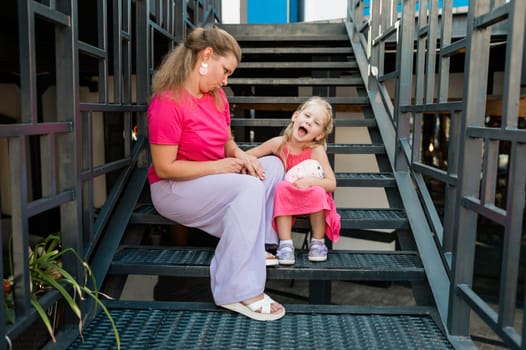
(285, 254)
(318, 251)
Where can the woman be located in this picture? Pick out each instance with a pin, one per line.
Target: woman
(201, 178)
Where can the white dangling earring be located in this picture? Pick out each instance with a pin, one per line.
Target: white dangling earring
(203, 70)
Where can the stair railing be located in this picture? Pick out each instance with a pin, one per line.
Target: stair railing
(426, 38)
(478, 167)
(55, 151)
(390, 32)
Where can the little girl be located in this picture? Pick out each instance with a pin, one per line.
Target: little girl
(304, 138)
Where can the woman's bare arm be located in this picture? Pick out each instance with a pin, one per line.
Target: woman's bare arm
(167, 167)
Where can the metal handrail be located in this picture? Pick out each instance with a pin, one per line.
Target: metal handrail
(470, 177)
(64, 142)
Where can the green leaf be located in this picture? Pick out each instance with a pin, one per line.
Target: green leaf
(107, 312)
(44, 317)
(53, 283)
(65, 276)
(9, 314)
(46, 271)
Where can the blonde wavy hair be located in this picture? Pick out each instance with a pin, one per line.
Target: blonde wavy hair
(327, 129)
(179, 62)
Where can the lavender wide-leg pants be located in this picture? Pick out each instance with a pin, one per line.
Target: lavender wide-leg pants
(238, 210)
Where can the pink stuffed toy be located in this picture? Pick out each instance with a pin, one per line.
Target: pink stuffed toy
(308, 167)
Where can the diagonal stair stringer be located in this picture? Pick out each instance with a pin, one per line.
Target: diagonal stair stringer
(436, 273)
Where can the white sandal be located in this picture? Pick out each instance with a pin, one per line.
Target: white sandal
(252, 310)
(270, 259)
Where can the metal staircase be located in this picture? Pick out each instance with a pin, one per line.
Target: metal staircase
(280, 64)
(76, 151)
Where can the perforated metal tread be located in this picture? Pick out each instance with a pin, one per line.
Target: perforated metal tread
(272, 51)
(165, 325)
(297, 81)
(283, 122)
(366, 179)
(338, 65)
(350, 218)
(340, 265)
(335, 148)
(329, 40)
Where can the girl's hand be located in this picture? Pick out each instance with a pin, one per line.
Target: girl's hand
(306, 182)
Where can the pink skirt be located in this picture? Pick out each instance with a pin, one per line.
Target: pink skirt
(292, 201)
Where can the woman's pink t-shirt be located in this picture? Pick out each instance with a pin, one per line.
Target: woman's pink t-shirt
(195, 125)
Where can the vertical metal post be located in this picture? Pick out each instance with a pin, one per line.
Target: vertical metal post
(416, 155)
(102, 43)
(475, 82)
(404, 67)
(117, 51)
(19, 224)
(443, 96)
(373, 54)
(18, 163)
(69, 151)
(143, 59)
(516, 184)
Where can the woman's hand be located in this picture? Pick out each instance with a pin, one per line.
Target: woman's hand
(251, 165)
(228, 165)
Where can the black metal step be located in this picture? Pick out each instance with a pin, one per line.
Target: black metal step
(290, 30)
(332, 51)
(282, 122)
(297, 81)
(191, 325)
(296, 100)
(344, 65)
(336, 148)
(365, 180)
(275, 38)
(342, 265)
(291, 103)
(362, 219)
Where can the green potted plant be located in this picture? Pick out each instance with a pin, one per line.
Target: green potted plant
(46, 272)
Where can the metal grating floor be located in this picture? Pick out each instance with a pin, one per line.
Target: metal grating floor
(350, 218)
(304, 327)
(164, 255)
(373, 214)
(203, 256)
(341, 264)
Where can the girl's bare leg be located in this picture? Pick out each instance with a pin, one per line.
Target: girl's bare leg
(284, 226)
(317, 222)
